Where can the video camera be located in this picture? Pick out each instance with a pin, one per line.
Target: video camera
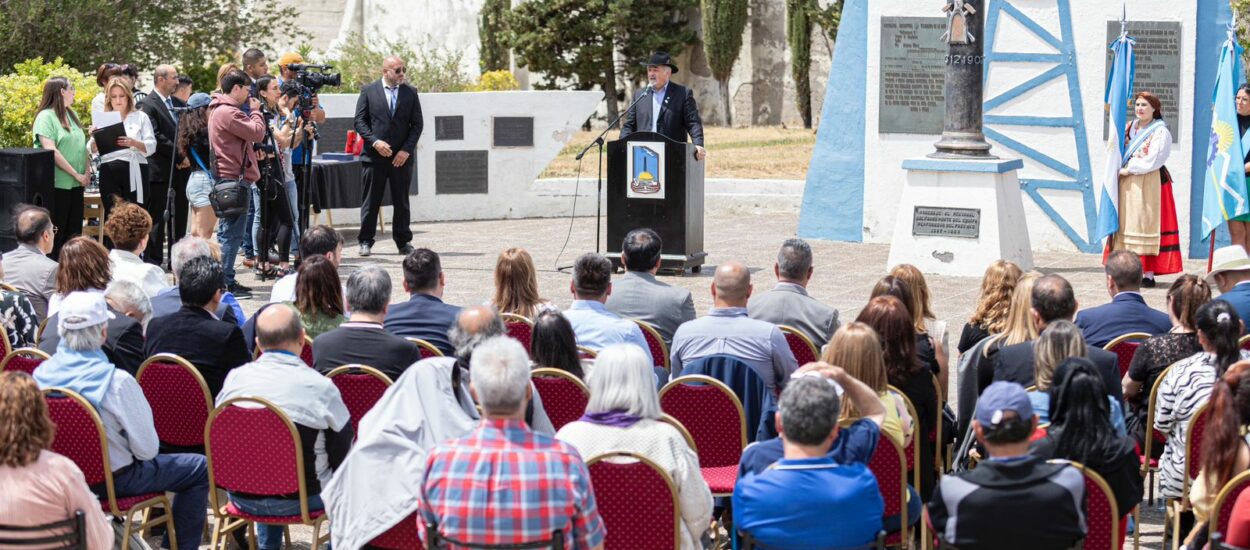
(314, 81)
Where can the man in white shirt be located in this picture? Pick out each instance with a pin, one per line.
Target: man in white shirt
(321, 239)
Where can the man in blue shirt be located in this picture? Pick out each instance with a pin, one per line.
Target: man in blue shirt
(1127, 311)
(594, 326)
(1231, 274)
(838, 504)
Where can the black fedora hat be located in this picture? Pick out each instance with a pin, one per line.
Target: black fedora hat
(662, 58)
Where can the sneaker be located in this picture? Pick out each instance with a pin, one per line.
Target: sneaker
(239, 291)
(364, 250)
(405, 250)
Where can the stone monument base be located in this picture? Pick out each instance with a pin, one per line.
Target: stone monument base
(955, 217)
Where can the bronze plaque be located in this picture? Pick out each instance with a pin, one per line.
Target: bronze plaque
(934, 221)
(448, 128)
(514, 131)
(913, 74)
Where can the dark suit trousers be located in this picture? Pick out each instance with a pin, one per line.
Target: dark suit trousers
(377, 176)
(157, 194)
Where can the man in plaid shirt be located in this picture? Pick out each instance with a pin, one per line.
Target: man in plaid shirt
(504, 483)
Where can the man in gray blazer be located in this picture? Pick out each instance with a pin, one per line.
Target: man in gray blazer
(788, 303)
(639, 295)
(28, 267)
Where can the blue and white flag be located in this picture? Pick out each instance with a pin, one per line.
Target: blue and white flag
(1119, 90)
(1224, 196)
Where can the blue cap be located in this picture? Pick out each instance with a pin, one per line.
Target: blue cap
(1000, 398)
(199, 99)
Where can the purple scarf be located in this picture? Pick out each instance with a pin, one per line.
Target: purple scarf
(619, 419)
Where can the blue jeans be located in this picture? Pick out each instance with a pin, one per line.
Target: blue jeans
(269, 536)
(894, 523)
(253, 225)
(292, 195)
(230, 237)
(186, 475)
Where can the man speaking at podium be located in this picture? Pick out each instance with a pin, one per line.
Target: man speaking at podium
(670, 110)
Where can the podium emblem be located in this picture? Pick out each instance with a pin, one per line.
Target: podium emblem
(646, 170)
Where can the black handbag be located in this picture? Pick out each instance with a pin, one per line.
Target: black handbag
(231, 197)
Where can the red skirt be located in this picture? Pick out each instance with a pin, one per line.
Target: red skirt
(1169, 259)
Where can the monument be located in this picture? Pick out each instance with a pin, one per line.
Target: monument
(960, 207)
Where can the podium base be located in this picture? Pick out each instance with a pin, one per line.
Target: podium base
(669, 263)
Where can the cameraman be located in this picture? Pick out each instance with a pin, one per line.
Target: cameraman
(316, 115)
(231, 133)
(274, 218)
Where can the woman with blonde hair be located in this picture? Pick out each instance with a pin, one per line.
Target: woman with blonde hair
(41, 486)
(856, 348)
(990, 317)
(124, 171)
(976, 366)
(516, 285)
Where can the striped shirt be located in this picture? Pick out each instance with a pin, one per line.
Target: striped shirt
(1182, 392)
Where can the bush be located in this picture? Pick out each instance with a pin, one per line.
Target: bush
(429, 69)
(21, 90)
(496, 81)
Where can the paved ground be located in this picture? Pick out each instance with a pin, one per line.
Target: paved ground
(844, 274)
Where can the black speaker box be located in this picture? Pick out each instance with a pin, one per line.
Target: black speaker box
(26, 177)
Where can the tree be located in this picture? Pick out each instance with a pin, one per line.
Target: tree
(723, 24)
(490, 32)
(799, 32)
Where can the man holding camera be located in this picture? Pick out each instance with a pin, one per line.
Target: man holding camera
(317, 115)
(388, 118)
(231, 133)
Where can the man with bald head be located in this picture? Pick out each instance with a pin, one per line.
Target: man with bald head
(28, 267)
(309, 399)
(159, 105)
(388, 118)
(726, 330)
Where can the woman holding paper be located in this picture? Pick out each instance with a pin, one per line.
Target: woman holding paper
(57, 129)
(123, 164)
(1148, 224)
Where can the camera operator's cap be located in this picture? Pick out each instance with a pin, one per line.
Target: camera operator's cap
(82, 310)
(289, 58)
(199, 99)
(1000, 398)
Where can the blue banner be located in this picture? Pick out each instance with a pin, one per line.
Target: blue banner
(1224, 195)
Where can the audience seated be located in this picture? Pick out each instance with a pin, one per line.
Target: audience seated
(363, 340)
(424, 315)
(931, 336)
(319, 296)
(1230, 272)
(169, 301)
(596, 327)
(28, 267)
(1080, 430)
(129, 226)
(194, 333)
(80, 364)
(788, 303)
(1059, 342)
(307, 398)
(1185, 296)
(130, 300)
(1011, 499)
(990, 315)
(726, 330)
(857, 349)
(1127, 312)
(623, 415)
(1052, 300)
(22, 321)
(1237, 533)
(1021, 328)
(516, 285)
(85, 268)
(639, 295)
(926, 351)
(40, 486)
(553, 345)
(839, 504)
(1187, 387)
(318, 240)
(503, 466)
(1225, 446)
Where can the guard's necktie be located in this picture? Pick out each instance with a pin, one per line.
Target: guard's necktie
(390, 95)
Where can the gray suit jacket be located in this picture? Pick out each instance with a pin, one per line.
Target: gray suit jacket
(789, 304)
(639, 295)
(33, 273)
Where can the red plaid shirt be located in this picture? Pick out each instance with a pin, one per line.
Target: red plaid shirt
(506, 484)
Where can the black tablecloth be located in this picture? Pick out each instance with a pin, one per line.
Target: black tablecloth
(337, 184)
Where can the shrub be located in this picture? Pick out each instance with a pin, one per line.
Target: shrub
(21, 90)
(496, 81)
(429, 69)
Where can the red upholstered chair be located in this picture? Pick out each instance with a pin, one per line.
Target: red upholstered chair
(586, 354)
(638, 501)
(23, 360)
(427, 349)
(1124, 347)
(519, 328)
(307, 352)
(401, 536)
(564, 396)
(911, 451)
(1224, 501)
(1193, 464)
(800, 345)
(252, 447)
(1102, 517)
(707, 409)
(179, 398)
(1244, 342)
(361, 388)
(889, 466)
(80, 437)
(655, 343)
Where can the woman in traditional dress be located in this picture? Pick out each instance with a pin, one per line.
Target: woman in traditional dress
(1148, 224)
(1239, 227)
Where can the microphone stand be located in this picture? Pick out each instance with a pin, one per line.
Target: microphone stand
(599, 173)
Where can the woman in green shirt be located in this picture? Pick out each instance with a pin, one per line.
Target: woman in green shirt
(57, 129)
(319, 296)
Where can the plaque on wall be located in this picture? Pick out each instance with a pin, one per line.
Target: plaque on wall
(1157, 65)
(913, 75)
(461, 172)
(448, 128)
(514, 131)
(933, 221)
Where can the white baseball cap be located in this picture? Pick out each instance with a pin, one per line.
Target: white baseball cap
(82, 310)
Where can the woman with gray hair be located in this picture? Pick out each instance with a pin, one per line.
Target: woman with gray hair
(624, 415)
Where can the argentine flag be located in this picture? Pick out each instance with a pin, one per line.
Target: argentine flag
(1119, 90)
(1224, 193)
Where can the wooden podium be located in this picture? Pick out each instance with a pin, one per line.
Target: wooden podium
(656, 182)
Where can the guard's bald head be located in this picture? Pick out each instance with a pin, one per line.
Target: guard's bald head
(279, 327)
(732, 283)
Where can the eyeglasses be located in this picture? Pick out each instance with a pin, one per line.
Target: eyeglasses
(399, 70)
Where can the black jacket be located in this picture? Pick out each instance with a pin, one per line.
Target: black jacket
(213, 346)
(123, 343)
(679, 115)
(1117, 463)
(166, 133)
(375, 121)
(364, 344)
(1015, 364)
